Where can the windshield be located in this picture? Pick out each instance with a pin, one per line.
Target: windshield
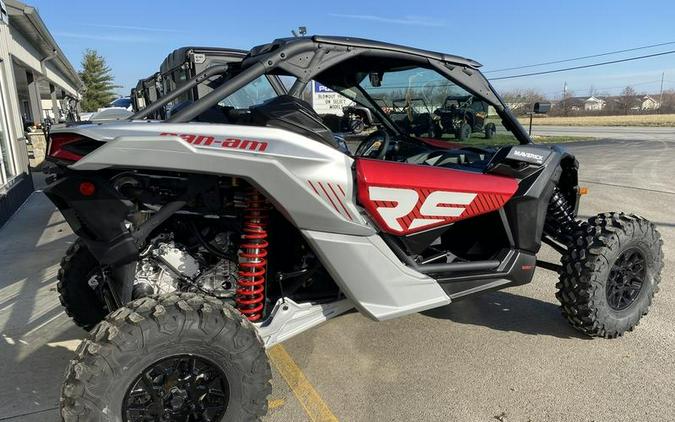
(422, 102)
(121, 102)
(257, 92)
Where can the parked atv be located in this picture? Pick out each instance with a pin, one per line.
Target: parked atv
(463, 115)
(184, 65)
(201, 243)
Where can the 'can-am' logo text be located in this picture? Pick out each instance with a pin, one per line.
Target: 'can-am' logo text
(210, 141)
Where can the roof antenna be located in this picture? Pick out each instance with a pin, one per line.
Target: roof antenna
(302, 30)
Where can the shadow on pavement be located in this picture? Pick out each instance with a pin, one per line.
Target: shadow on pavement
(504, 311)
(36, 337)
(35, 368)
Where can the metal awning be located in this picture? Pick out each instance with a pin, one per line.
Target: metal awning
(26, 20)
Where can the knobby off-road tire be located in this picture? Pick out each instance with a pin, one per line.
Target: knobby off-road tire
(602, 246)
(80, 301)
(490, 130)
(149, 330)
(463, 133)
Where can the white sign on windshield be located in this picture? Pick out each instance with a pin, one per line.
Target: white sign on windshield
(327, 101)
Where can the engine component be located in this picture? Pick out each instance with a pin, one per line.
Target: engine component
(153, 276)
(250, 297)
(219, 280)
(168, 267)
(178, 261)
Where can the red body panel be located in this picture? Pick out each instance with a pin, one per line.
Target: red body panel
(408, 198)
(440, 144)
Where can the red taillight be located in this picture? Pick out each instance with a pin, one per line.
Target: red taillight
(87, 188)
(58, 141)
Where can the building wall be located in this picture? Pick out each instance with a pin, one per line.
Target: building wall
(23, 51)
(593, 106)
(25, 57)
(15, 182)
(11, 121)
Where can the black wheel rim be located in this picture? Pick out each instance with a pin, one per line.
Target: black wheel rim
(626, 279)
(179, 388)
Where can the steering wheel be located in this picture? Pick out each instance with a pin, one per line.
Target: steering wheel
(374, 146)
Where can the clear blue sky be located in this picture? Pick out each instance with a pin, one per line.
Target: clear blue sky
(135, 36)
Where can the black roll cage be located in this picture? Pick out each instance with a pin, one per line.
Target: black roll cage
(226, 61)
(307, 57)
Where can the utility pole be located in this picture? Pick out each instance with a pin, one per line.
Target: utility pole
(661, 93)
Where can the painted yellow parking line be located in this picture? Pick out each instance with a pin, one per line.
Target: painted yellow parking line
(274, 404)
(309, 399)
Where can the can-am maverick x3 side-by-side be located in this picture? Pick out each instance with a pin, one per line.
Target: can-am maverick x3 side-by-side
(183, 65)
(201, 243)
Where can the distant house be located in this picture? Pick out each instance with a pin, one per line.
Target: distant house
(649, 103)
(594, 104)
(515, 105)
(572, 103)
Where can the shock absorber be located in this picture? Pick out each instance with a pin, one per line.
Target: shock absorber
(250, 294)
(560, 221)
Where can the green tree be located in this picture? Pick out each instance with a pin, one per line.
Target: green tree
(98, 82)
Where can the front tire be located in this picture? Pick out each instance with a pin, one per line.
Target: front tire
(610, 274)
(106, 381)
(490, 130)
(463, 133)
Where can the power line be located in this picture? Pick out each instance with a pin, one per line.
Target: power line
(605, 88)
(546, 72)
(609, 53)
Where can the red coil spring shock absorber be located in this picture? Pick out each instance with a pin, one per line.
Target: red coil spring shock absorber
(250, 297)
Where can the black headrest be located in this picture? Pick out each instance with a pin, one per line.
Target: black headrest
(293, 114)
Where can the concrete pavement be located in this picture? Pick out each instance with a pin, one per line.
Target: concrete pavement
(506, 355)
(666, 134)
(510, 354)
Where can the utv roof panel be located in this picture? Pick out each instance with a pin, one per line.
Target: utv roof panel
(363, 43)
(366, 43)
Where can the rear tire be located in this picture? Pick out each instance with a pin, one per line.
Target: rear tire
(81, 302)
(610, 274)
(147, 332)
(490, 130)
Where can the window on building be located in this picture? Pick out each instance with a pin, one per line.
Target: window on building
(7, 170)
